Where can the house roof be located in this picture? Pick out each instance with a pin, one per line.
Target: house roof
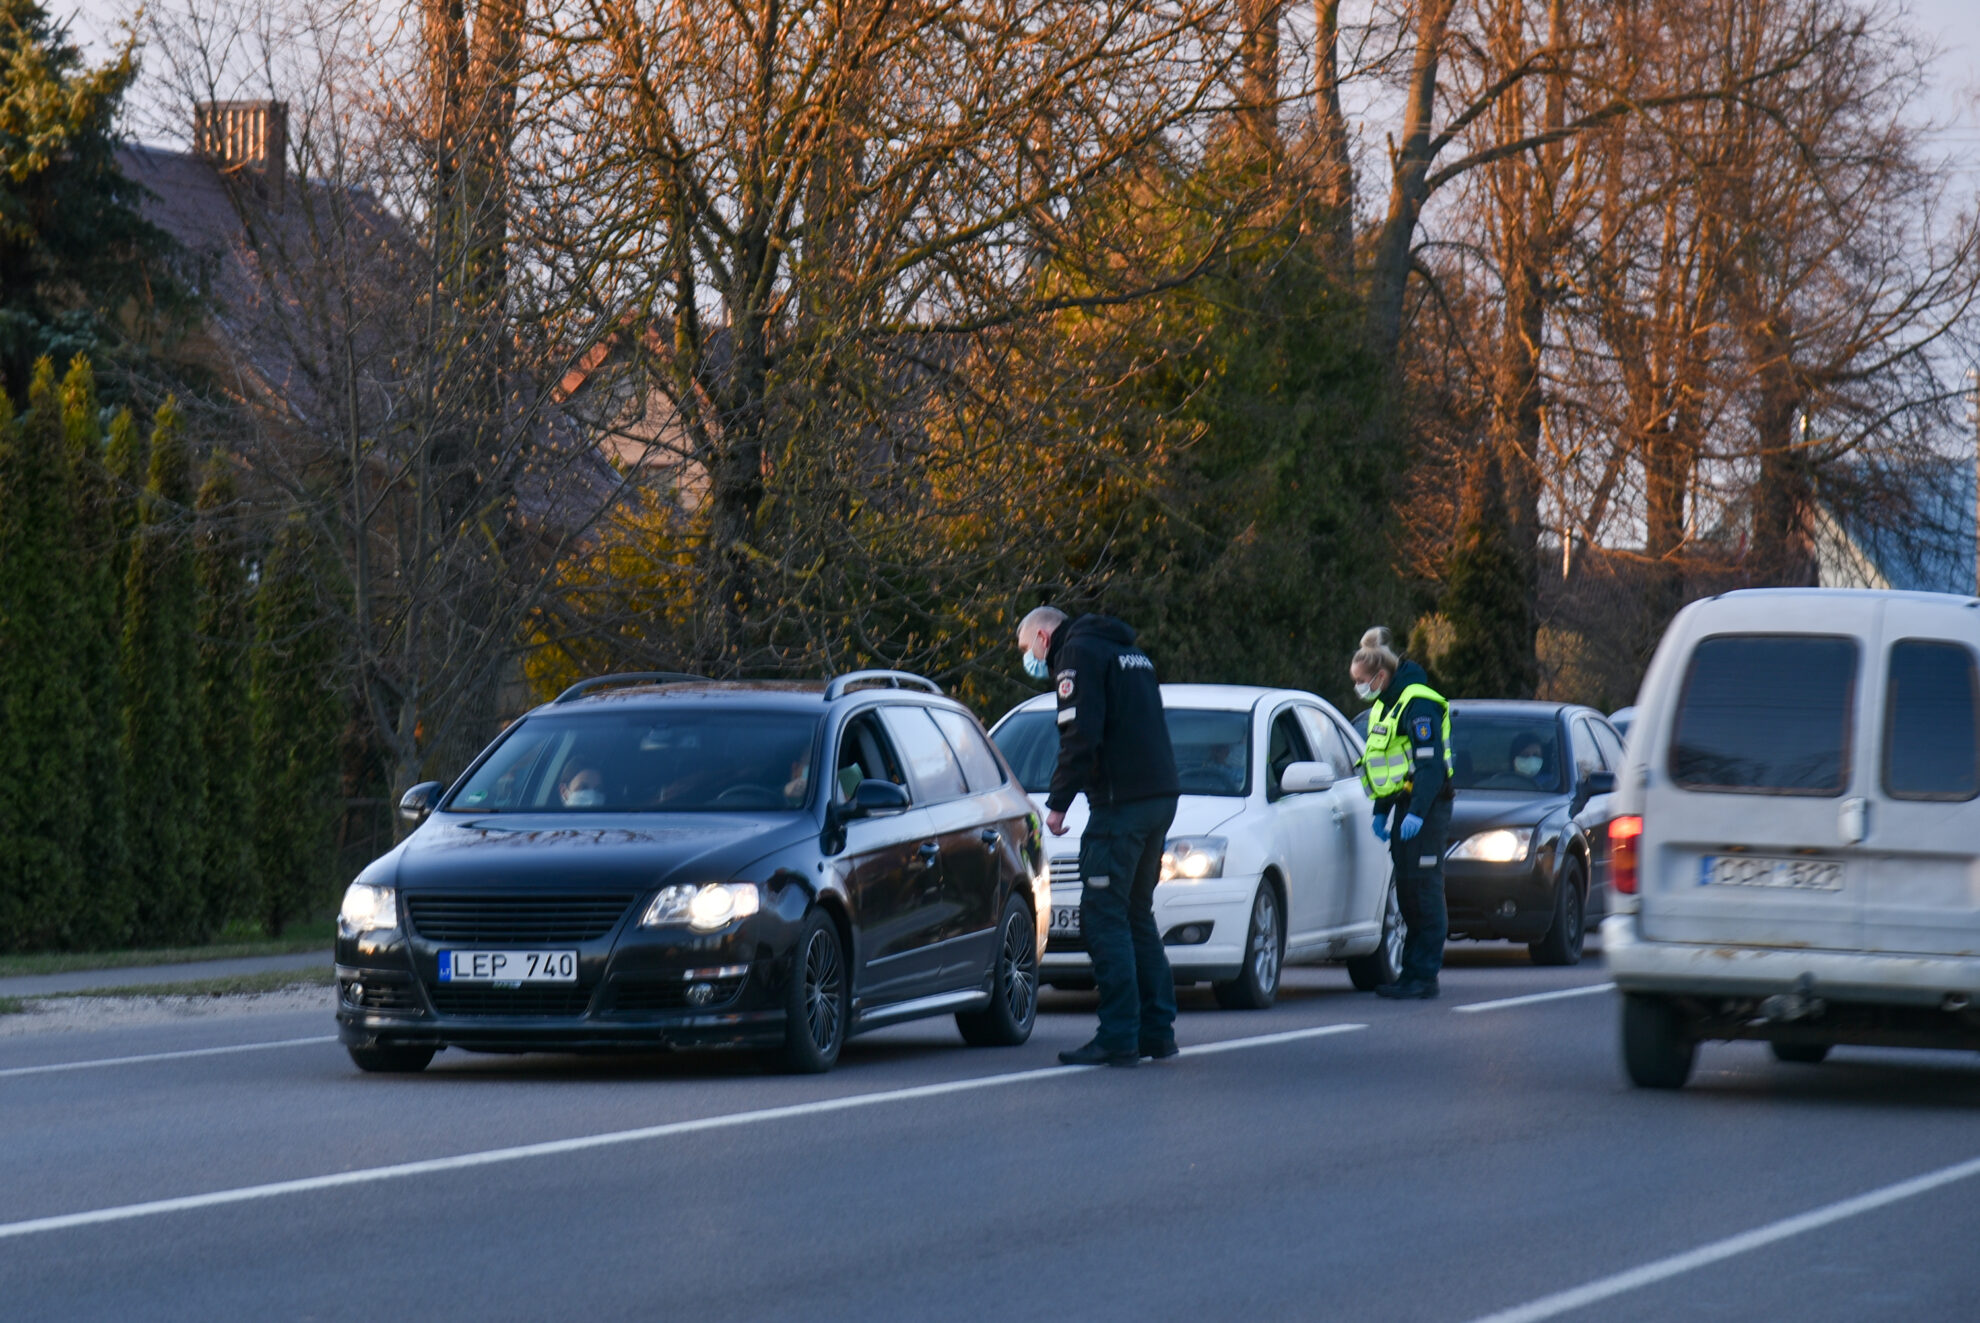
(1921, 537)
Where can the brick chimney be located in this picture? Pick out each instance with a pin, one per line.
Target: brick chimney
(245, 140)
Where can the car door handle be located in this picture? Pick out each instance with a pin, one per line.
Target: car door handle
(929, 853)
(990, 838)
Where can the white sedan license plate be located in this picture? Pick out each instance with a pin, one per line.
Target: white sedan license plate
(1744, 870)
(1065, 920)
(516, 967)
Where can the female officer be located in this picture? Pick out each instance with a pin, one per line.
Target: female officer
(1406, 769)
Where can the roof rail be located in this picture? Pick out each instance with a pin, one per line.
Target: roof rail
(583, 687)
(852, 680)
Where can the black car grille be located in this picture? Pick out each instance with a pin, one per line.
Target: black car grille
(367, 996)
(1062, 942)
(673, 995)
(539, 1001)
(511, 917)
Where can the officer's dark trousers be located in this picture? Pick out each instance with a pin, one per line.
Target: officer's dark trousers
(1420, 889)
(1120, 861)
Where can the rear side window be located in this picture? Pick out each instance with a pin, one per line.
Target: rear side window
(932, 766)
(978, 763)
(1930, 746)
(1766, 714)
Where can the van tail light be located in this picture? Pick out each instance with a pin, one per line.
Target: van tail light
(1624, 833)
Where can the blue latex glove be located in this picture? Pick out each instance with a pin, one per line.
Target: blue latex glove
(1411, 824)
(1381, 825)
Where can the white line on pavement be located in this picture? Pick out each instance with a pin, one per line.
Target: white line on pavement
(556, 1147)
(1705, 1255)
(1535, 997)
(163, 1056)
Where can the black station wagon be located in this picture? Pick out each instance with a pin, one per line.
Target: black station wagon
(655, 860)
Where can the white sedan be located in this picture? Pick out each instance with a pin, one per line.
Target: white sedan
(1271, 858)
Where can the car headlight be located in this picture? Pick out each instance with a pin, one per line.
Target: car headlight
(1190, 858)
(367, 908)
(704, 908)
(1501, 845)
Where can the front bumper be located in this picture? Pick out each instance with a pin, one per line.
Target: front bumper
(1500, 902)
(1223, 903)
(1699, 970)
(635, 989)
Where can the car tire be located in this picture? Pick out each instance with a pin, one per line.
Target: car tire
(1013, 1008)
(1569, 931)
(1801, 1054)
(1257, 985)
(816, 1005)
(380, 1059)
(1657, 1052)
(1384, 963)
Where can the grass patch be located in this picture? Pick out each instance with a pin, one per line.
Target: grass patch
(316, 935)
(12, 1005)
(277, 981)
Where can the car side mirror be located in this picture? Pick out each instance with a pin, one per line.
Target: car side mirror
(417, 804)
(1598, 783)
(874, 798)
(1303, 778)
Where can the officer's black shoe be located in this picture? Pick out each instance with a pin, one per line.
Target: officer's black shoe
(1408, 990)
(1160, 1051)
(1095, 1055)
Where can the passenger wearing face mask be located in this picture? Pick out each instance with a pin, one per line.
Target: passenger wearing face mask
(1529, 759)
(1114, 749)
(584, 788)
(1406, 770)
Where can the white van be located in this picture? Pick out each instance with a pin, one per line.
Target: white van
(1796, 839)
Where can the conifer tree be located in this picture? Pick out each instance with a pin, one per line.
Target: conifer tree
(104, 916)
(1485, 600)
(222, 681)
(43, 712)
(162, 747)
(128, 457)
(298, 718)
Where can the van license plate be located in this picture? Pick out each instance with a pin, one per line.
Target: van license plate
(1745, 870)
(1065, 920)
(514, 967)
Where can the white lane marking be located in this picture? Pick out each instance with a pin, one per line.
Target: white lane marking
(163, 1056)
(557, 1147)
(1705, 1255)
(1531, 998)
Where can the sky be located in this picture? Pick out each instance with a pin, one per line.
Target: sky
(1954, 25)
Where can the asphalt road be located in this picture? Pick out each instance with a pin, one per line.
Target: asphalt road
(1339, 1158)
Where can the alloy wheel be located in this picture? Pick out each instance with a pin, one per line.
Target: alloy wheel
(1020, 968)
(1265, 940)
(1394, 936)
(822, 978)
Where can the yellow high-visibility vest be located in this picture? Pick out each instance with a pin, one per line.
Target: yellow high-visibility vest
(1388, 766)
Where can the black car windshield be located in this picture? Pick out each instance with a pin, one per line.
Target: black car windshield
(1506, 751)
(1213, 749)
(699, 761)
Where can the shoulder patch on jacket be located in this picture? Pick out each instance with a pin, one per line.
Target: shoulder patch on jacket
(1423, 729)
(1065, 686)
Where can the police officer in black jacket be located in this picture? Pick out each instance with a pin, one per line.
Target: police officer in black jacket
(1114, 749)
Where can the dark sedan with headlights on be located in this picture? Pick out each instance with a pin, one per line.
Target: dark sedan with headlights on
(656, 861)
(1529, 829)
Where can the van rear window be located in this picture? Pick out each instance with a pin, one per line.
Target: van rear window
(1766, 714)
(1930, 749)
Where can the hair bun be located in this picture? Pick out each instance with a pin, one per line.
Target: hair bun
(1379, 637)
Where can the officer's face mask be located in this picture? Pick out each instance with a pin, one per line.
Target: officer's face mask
(1527, 766)
(584, 799)
(1367, 693)
(1034, 665)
